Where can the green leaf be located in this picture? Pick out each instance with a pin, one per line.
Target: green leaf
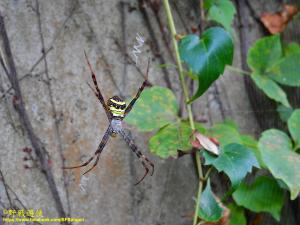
(237, 216)
(156, 107)
(209, 209)
(221, 11)
(276, 151)
(251, 143)
(270, 88)
(294, 127)
(286, 71)
(264, 195)
(207, 57)
(171, 138)
(291, 48)
(225, 134)
(235, 160)
(284, 112)
(264, 53)
(276, 139)
(248, 141)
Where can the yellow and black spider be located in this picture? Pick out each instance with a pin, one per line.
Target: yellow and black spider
(116, 111)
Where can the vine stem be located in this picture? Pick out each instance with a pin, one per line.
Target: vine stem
(234, 69)
(186, 95)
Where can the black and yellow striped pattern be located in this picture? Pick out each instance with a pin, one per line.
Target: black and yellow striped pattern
(116, 106)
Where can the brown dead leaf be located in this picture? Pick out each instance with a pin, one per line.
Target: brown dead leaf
(199, 140)
(276, 22)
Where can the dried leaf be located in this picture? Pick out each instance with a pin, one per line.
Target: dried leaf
(276, 22)
(198, 140)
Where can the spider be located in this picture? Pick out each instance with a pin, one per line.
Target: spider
(116, 110)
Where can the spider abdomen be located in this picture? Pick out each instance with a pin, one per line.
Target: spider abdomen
(116, 106)
(116, 125)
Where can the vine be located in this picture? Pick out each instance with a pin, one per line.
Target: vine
(222, 147)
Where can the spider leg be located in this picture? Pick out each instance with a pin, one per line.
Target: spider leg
(94, 91)
(98, 92)
(139, 154)
(145, 174)
(95, 164)
(129, 107)
(97, 152)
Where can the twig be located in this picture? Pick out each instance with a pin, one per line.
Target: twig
(155, 10)
(19, 105)
(7, 108)
(155, 43)
(5, 187)
(186, 95)
(53, 107)
(130, 60)
(11, 204)
(20, 79)
(45, 53)
(186, 29)
(124, 42)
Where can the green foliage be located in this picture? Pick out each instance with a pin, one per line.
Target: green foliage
(171, 138)
(279, 157)
(264, 53)
(210, 209)
(225, 133)
(261, 57)
(286, 71)
(291, 48)
(221, 11)
(235, 160)
(207, 56)
(271, 88)
(294, 127)
(284, 112)
(156, 107)
(237, 216)
(272, 63)
(264, 195)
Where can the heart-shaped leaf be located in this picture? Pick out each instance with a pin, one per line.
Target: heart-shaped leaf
(207, 56)
(277, 154)
(294, 127)
(264, 195)
(210, 209)
(235, 160)
(156, 107)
